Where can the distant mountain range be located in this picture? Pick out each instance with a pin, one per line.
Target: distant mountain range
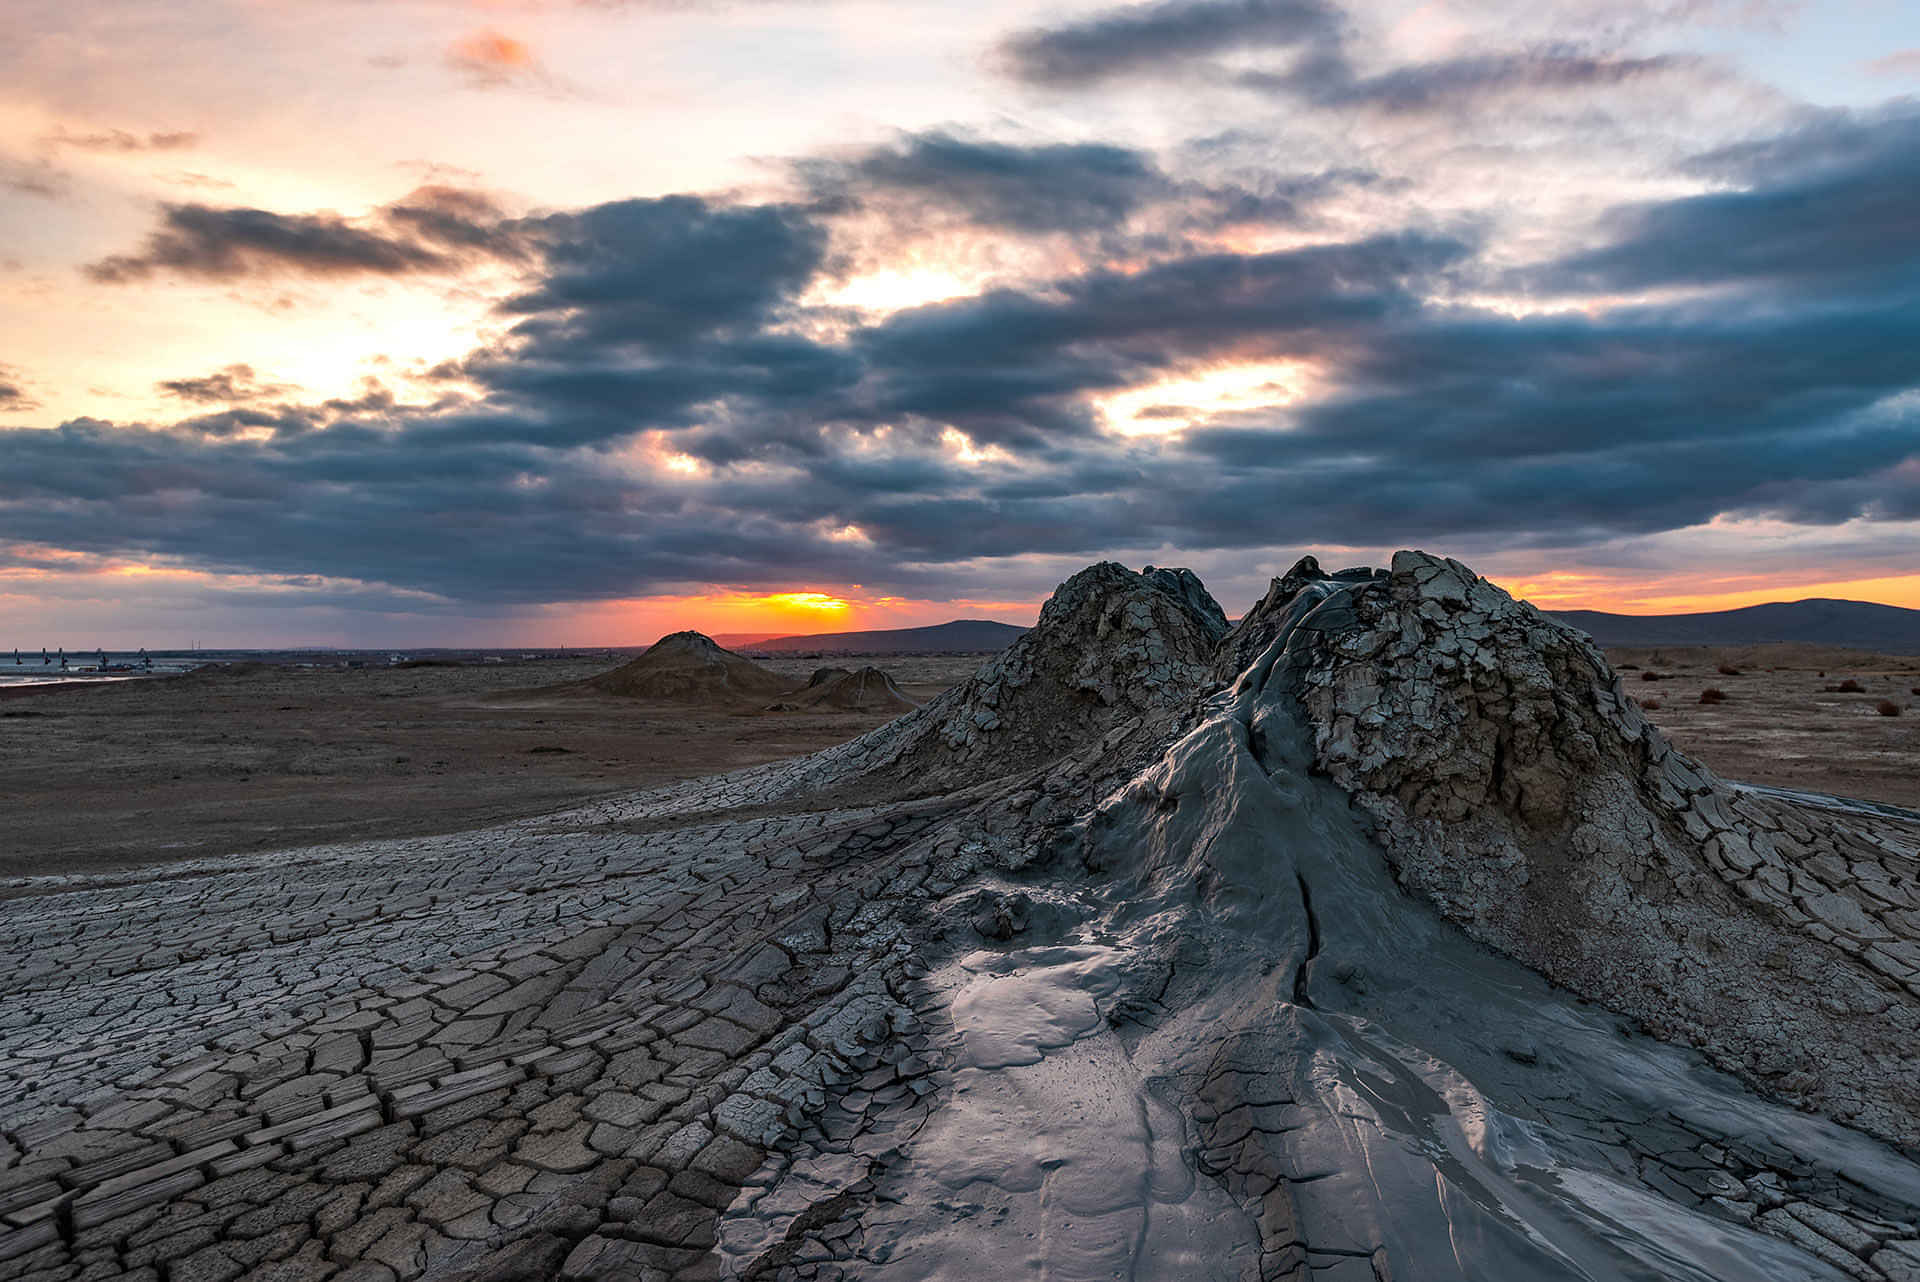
(972, 636)
(1859, 625)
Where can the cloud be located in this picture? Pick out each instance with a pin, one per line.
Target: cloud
(1163, 36)
(1831, 206)
(1060, 186)
(14, 398)
(1328, 81)
(943, 197)
(1016, 368)
(664, 408)
(119, 140)
(199, 181)
(1905, 63)
(1190, 38)
(436, 229)
(665, 270)
(234, 383)
(39, 177)
(489, 59)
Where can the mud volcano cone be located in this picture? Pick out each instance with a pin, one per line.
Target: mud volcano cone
(868, 690)
(689, 667)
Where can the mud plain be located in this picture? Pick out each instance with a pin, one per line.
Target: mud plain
(1779, 724)
(213, 763)
(100, 777)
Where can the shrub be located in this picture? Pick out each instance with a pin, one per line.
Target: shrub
(1650, 705)
(1915, 690)
(1728, 670)
(1651, 675)
(1887, 708)
(1713, 695)
(1849, 686)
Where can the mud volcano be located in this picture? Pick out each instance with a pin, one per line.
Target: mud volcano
(690, 667)
(1377, 937)
(868, 690)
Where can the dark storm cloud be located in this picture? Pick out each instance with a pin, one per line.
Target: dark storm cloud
(1835, 206)
(1151, 38)
(674, 325)
(1328, 81)
(1090, 191)
(1649, 421)
(1188, 37)
(436, 229)
(1064, 186)
(653, 313)
(1013, 368)
(667, 269)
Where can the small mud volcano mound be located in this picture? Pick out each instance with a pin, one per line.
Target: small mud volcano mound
(868, 690)
(689, 667)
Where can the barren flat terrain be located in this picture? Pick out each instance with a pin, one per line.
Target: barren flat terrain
(1779, 724)
(224, 762)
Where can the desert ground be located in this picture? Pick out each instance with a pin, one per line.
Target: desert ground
(223, 762)
(226, 762)
(1779, 724)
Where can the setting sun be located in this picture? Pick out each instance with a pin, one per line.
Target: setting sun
(813, 601)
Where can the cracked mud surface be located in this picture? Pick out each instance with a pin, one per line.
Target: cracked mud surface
(1104, 965)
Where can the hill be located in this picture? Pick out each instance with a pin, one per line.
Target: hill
(1860, 625)
(741, 640)
(967, 636)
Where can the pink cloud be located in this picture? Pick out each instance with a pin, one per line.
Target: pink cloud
(1904, 63)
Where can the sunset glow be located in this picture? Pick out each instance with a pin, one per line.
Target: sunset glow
(1180, 403)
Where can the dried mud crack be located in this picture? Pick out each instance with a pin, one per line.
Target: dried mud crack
(1375, 937)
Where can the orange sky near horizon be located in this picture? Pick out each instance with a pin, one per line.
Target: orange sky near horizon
(802, 611)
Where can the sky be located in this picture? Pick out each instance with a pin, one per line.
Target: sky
(540, 322)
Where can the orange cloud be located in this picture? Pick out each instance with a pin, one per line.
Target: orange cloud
(490, 57)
